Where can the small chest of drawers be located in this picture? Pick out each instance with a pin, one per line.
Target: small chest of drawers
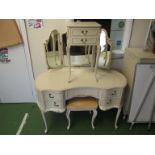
(83, 33)
(83, 36)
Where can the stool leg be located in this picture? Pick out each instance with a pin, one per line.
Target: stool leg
(93, 118)
(68, 118)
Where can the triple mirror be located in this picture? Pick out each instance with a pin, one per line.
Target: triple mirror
(55, 46)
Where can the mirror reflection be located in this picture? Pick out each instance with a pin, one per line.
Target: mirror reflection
(106, 50)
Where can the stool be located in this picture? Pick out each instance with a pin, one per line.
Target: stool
(82, 104)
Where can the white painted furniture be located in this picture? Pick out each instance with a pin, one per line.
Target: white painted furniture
(83, 34)
(139, 68)
(82, 104)
(53, 89)
(142, 107)
(133, 57)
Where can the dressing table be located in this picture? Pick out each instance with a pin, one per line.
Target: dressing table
(53, 89)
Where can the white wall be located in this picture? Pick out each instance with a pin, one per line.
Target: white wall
(16, 78)
(37, 39)
(138, 35)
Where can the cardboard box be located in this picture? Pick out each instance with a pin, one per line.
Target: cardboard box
(9, 33)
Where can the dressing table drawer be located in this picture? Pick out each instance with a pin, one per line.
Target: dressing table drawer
(81, 92)
(109, 103)
(112, 93)
(53, 100)
(84, 31)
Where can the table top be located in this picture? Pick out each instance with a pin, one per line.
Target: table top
(82, 77)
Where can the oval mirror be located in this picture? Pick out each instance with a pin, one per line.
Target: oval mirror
(53, 50)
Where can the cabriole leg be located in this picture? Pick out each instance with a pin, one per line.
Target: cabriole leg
(93, 56)
(97, 61)
(44, 119)
(69, 62)
(93, 118)
(117, 116)
(68, 119)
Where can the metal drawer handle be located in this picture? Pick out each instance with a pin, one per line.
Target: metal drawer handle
(50, 96)
(84, 32)
(114, 92)
(55, 104)
(108, 102)
(84, 40)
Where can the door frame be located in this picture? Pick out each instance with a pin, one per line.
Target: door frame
(21, 25)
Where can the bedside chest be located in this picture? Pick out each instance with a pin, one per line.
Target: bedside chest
(83, 34)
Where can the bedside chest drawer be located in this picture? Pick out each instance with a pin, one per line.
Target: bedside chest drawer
(84, 41)
(54, 100)
(84, 31)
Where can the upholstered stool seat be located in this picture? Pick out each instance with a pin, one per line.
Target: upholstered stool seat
(82, 104)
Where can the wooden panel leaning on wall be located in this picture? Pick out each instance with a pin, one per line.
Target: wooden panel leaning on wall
(9, 33)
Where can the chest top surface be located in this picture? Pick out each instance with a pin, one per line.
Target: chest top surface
(81, 77)
(83, 24)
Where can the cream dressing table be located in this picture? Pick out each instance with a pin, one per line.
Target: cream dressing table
(53, 89)
(83, 34)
